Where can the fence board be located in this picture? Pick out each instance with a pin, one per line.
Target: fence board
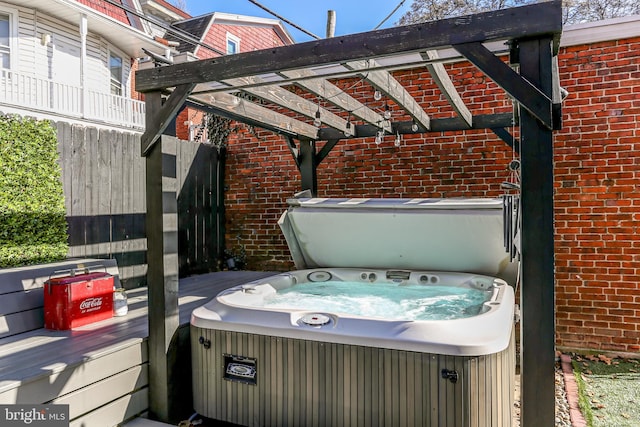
(197, 210)
(78, 178)
(104, 184)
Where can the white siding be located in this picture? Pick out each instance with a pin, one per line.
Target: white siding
(27, 47)
(38, 60)
(47, 77)
(97, 59)
(62, 53)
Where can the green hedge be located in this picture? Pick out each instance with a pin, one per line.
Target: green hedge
(33, 227)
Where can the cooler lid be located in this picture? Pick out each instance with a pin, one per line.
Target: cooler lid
(464, 235)
(88, 277)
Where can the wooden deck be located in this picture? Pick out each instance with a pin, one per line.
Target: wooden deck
(100, 370)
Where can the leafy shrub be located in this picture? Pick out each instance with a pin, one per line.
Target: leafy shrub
(33, 227)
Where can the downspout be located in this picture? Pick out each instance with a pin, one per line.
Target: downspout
(83, 63)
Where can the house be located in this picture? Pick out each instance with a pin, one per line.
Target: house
(75, 61)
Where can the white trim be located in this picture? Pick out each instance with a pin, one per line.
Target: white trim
(13, 35)
(599, 31)
(234, 39)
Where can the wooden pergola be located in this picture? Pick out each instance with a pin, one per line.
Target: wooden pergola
(529, 34)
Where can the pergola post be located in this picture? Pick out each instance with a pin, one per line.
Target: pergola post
(537, 262)
(308, 166)
(162, 276)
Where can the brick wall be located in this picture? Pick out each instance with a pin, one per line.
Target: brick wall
(597, 198)
(597, 182)
(251, 38)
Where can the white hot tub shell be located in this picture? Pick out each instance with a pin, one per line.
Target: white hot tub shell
(262, 366)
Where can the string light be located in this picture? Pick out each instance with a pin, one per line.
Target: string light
(387, 112)
(414, 126)
(379, 135)
(347, 128)
(317, 122)
(397, 141)
(377, 95)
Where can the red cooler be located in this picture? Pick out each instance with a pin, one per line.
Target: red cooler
(77, 299)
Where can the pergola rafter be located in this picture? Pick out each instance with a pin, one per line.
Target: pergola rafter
(532, 34)
(331, 93)
(442, 79)
(393, 89)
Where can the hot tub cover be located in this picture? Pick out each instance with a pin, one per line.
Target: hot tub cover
(462, 234)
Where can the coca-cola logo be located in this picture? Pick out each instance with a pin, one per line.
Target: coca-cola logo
(91, 303)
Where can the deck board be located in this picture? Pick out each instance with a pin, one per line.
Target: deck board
(40, 354)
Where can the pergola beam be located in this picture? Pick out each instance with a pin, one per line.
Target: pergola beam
(488, 121)
(529, 96)
(160, 115)
(507, 137)
(520, 22)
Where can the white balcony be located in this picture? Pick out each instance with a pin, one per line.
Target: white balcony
(34, 94)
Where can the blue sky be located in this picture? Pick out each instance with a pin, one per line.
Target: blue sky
(352, 16)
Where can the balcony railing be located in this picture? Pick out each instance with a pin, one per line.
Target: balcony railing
(35, 94)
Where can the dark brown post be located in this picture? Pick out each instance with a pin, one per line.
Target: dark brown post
(308, 165)
(162, 276)
(537, 296)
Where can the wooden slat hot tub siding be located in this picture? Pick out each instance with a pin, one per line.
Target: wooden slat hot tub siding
(312, 383)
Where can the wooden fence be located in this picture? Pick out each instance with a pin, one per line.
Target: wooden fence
(103, 178)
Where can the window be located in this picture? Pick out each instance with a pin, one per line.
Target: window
(233, 44)
(5, 40)
(115, 67)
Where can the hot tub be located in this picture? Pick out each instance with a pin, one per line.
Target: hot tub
(306, 363)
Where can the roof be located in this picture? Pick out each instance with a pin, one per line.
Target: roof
(199, 25)
(125, 36)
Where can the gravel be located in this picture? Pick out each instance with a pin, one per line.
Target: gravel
(562, 406)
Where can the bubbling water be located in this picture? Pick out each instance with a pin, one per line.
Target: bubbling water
(382, 300)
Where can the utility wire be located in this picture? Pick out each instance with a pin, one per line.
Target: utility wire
(390, 15)
(297, 27)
